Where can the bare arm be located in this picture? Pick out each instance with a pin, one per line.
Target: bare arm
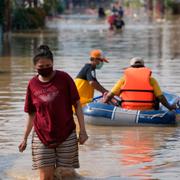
(108, 97)
(27, 131)
(98, 86)
(164, 101)
(82, 134)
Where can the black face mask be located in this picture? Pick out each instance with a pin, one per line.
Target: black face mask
(45, 72)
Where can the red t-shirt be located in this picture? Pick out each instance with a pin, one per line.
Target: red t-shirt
(52, 103)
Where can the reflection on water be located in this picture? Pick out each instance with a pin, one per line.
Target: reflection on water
(128, 151)
(111, 152)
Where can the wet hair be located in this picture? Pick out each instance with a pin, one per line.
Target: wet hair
(42, 51)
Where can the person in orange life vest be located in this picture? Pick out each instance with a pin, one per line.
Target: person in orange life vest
(137, 89)
(86, 81)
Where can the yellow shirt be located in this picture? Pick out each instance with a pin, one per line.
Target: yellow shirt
(86, 91)
(117, 87)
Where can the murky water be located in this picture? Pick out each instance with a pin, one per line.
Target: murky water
(110, 152)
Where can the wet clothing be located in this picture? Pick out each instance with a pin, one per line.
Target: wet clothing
(111, 20)
(118, 23)
(86, 91)
(52, 104)
(64, 155)
(137, 91)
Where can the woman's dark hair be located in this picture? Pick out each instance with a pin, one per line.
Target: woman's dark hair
(42, 51)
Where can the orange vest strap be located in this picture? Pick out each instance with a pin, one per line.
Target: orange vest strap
(139, 101)
(137, 90)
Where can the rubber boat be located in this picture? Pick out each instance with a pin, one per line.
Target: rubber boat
(98, 113)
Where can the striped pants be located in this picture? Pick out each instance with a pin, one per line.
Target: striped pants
(65, 155)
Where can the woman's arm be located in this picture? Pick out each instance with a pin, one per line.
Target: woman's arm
(27, 131)
(82, 134)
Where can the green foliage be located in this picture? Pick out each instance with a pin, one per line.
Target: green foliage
(28, 18)
(47, 6)
(133, 4)
(53, 7)
(60, 8)
(169, 3)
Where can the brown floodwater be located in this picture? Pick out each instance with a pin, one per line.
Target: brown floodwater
(111, 152)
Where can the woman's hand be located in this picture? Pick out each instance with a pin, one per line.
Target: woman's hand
(22, 145)
(83, 137)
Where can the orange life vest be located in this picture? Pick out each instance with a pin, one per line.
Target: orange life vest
(137, 92)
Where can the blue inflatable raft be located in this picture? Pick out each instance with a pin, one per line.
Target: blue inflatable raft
(98, 113)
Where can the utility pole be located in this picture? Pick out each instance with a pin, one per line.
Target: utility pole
(1, 18)
(7, 15)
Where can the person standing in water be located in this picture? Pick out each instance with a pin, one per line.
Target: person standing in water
(101, 12)
(86, 80)
(49, 99)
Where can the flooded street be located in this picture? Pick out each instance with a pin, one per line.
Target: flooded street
(111, 152)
